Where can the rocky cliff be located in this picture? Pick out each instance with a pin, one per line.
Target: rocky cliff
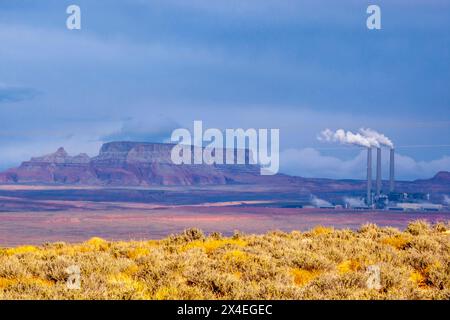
(125, 164)
(57, 167)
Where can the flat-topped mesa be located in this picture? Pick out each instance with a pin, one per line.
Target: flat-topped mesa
(126, 152)
(121, 153)
(142, 163)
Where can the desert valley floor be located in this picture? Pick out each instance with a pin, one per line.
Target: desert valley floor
(38, 214)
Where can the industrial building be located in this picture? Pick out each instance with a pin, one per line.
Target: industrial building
(391, 200)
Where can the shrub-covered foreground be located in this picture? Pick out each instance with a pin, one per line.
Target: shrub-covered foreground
(322, 263)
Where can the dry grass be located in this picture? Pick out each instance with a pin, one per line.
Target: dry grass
(323, 263)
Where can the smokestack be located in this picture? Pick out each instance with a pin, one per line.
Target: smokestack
(392, 171)
(378, 171)
(369, 176)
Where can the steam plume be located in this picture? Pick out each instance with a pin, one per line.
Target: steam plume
(317, 202)
(378, 137)
(348, 137)
(354, 202)
(447, 200)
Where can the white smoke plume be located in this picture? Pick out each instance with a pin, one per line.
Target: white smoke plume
(378, 137)
(447, 200)
(317, 202)
(348, 137)
(354, 202)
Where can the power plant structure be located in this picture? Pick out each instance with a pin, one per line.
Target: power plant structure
(384, 194)
(369, 177)
(379, 184)
(392, 171)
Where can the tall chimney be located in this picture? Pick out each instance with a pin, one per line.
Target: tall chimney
(378, 171)
(392, 171)
(369, 176)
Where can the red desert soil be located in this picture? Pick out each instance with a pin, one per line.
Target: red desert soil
(18, 228)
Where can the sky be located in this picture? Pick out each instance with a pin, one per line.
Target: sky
(139, 69)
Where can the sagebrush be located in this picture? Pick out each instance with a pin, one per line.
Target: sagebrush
(322, 263)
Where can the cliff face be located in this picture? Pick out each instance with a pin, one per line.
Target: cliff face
(124, 164)
(56, 167)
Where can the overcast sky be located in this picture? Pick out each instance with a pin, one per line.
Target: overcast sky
(140, 68)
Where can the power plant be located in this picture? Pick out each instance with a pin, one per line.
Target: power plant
(388, 198)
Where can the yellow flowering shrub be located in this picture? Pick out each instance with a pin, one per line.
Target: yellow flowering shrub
(210, 245)
(303, 277)
(348, 266)
(322, 230)
(21, 250)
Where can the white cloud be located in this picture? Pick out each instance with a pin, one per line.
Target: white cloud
(408, 167)
(310, 162)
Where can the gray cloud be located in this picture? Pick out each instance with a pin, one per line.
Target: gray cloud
(156, 128)
(16, 94)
